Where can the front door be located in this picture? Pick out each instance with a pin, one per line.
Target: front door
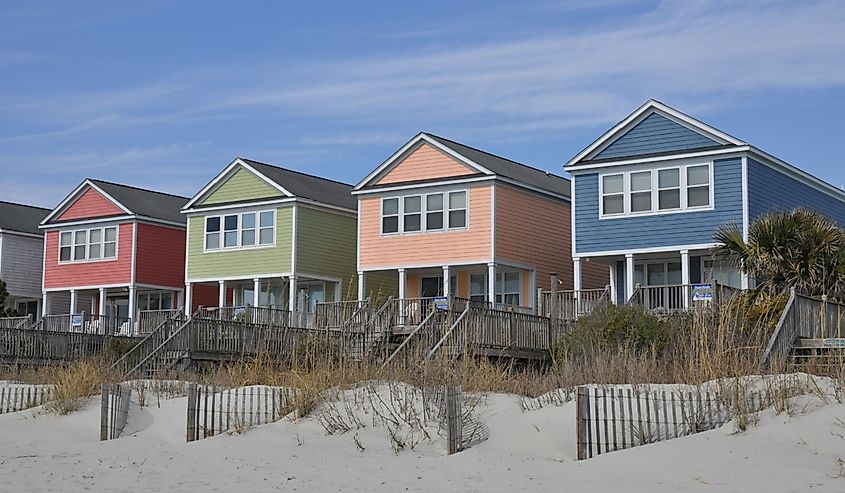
(117, 308)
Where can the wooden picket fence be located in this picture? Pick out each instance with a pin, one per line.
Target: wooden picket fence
(19, 398)
(114, 409)
(453, 421)
(610, 419)
(213, 410)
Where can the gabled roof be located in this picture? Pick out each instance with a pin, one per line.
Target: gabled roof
(710, 137)
(483, 162)
(132, 200)
(290, 183)
(21, 218)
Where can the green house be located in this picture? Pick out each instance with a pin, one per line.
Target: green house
(266, 236)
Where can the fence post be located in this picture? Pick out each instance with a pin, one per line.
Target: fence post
(453, 418)
(191, 432)
(582, 402)
(104, 411)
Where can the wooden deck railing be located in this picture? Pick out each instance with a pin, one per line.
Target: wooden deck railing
(678, 297)
(130, 362)
(342, 315)
(805, 317)
(150, 320)
(16, 322)
(30, 346)
(571, 304)
(85, 323)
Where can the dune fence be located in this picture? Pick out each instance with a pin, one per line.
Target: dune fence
(15, 398)
(611, 419)
(213, 410)
(114, 409)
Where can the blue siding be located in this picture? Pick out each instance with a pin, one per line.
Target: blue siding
(655, 133)
(770, 190)
(687, 228)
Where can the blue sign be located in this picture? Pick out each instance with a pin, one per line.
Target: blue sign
(702, 292)
(76, 320)
(441, 303)
(239, 311)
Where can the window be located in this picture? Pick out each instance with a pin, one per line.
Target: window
(669, 189)
(698, 186)
(244, 230)
(508, 288)
(478, 287)
(84, 245)
(390, 215)
(155, 301)
(641, 191)
(427, 212)
(613, 194)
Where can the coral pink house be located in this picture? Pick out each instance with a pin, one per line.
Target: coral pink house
(114, 250)
(451, 219)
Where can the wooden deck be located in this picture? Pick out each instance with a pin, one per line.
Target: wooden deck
(30, 347)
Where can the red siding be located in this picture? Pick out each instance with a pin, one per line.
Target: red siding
(161, 256)
(117, 271)
(90, 204)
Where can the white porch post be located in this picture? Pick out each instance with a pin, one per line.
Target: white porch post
(221, 294)
(292, 293)
(446, 283)
(362, 287)
(744, 279)
(629, 275)
(532, 296)
(576, 269)
(189, 291)
(73, 301)
(133, 302)
(102, 308)
(402, 284)
(491, 283)
(180, 299)
(685, 277)
(613, 287)
(256, 290)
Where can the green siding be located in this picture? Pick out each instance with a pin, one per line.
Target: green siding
(245, 262)
(241, 186)
(326, 243)
(380, 285)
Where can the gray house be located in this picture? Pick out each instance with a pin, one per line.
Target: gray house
(22, 256)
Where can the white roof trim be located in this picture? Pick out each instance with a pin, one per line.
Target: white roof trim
(75, 194)
(217, 180)
(649, 107)
(421, 137)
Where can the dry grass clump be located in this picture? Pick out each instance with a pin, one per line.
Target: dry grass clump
(73, 384)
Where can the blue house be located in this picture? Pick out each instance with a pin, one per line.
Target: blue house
(649, 194)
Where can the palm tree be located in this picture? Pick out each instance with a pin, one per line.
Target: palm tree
(800, 248)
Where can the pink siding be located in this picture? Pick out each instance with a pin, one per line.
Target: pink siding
(425, 163)
(90, 204)
(535, 230)
(436, 248)
(161, 256)
(117, 271)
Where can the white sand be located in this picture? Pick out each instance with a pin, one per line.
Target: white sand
(531, 450)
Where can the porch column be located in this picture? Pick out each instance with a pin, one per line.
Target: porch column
(491, 283)
(744, 279)
(180, 299)
(402, 284)
(532, 296)
(685, 277)
(613, 296)
(446, 283)
(629, 275)
(292, 293)
(132, 304)
(45, 304)
(256, 290)
(576, 268)
(73, 301)
(189, 301)
(102, 308)
(221, 294)
(362, 288)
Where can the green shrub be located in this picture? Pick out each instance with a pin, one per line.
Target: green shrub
(612, 326)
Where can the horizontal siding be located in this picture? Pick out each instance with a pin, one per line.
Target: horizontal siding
(471, 244)
(240, 186)
(687, 228)
(239, 262)
(655, 133)
(160, 256)
(325, 244)
(425, 163)
(90, 204)
(21, 264)
(770, 190)
(118, 271)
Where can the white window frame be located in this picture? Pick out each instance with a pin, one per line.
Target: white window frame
(424, 212)
(679, 188)
(87, 245)
(503, 292)
(238, 231)
(655, 171)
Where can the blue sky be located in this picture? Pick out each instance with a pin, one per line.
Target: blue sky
(165, 94)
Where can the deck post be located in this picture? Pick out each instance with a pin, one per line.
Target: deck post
(554, 300)
(221, 295)
(629, 276)
(189, 292)
(685, 277)
(101, 309)
(446, 283)
(576, 286)
(491, 284)
(133, 303)
(72, 301)
(362, 287)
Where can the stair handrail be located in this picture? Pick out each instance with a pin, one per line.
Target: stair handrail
(780, 334)
(155, 351)
(139, 347)
(408, 339)
(448, 332)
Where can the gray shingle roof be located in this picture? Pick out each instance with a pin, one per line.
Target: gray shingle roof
(157, 205)
(308, 186)
(508, 168)
(21, 218)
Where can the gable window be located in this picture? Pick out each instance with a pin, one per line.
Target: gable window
(437, 211)
(641, 191)
(613, 194)
(244, 230)
(84, 245)
(669, 189)
(698, 186)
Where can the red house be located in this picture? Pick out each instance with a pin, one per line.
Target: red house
(112, 251)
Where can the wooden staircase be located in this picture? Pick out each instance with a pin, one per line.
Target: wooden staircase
(154, 353)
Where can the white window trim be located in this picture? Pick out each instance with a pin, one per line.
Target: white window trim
(424, 212)
(239, 231)
(655, 211)
(103, 242)
(503, 293)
